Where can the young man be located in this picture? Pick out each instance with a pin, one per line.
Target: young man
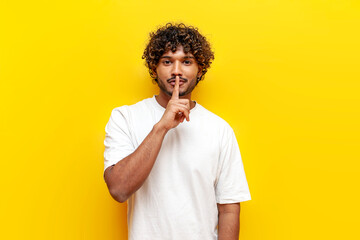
(177, 164)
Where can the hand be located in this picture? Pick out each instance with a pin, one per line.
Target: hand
(177, 110)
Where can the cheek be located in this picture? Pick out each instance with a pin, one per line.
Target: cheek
(162, 72)
(192, 73)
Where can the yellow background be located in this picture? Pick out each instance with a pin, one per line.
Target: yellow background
(286, 77)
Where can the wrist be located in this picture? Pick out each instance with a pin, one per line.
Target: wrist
(160, 129)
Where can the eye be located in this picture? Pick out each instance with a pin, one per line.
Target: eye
(187, 62)
(166, 62)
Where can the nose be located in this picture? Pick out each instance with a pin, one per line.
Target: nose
(176, 69)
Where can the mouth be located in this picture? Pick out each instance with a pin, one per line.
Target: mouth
(172, 82)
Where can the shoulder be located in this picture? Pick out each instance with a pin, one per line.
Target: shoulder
(139, 107)
(216, 124)
(213, 119)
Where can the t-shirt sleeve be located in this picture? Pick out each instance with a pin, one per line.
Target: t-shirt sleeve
(232, 186)
(118, 144)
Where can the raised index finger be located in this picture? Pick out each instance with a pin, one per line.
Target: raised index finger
(175, 94)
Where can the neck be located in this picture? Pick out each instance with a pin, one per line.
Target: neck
(164, 98)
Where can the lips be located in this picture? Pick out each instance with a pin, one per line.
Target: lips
(172, 82)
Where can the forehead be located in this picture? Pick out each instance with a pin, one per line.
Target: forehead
(179, 53)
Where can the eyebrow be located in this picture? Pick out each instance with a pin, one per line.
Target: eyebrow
(183, 57)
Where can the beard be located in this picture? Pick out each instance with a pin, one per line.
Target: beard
(192, 85)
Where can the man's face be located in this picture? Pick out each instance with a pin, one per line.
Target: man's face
(178, 64)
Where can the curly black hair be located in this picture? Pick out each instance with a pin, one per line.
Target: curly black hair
(169, 37)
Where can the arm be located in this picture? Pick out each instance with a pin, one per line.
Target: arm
(229, 221)
(127, 176)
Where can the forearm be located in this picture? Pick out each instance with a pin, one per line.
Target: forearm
(229, 224)
(128, 175)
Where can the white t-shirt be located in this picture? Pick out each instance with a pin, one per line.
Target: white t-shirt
(198, 166)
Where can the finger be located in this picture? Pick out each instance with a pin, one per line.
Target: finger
(178, 107)
(180, 102)
(185, 111)
(182, 118)
(175, 94)
(185, 102)
(179, 117)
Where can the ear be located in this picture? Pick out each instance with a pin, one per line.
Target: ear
(199, 72)
(153, 71)
(154, 75)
